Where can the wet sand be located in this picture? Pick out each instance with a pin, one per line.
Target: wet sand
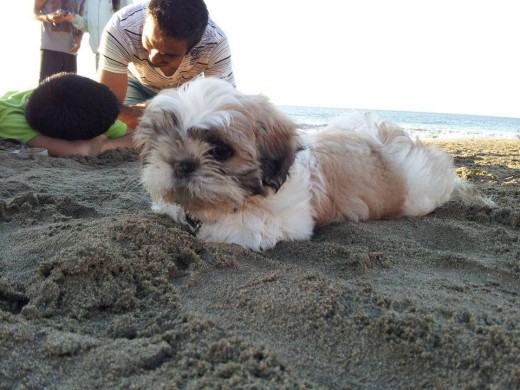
(96, 291)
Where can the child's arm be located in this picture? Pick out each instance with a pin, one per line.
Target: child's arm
(92, 147)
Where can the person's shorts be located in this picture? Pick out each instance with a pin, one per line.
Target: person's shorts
(52, 62)
(137, 92)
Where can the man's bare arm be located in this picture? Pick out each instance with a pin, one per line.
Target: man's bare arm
(117, 82)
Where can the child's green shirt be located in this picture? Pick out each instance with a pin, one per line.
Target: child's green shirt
(13, 124)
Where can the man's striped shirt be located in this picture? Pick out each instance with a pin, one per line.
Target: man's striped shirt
(122, 51)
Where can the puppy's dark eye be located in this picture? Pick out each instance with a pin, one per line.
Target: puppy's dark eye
(221, 151)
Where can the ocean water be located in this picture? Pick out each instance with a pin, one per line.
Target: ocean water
(424, 125)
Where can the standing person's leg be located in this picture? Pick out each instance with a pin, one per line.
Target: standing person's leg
(53, 62)
(50, 63)
(70, 63)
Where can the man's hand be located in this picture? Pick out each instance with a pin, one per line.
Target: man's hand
(131, 114)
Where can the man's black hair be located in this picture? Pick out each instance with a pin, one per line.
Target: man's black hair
(180, 19)
(71, 107)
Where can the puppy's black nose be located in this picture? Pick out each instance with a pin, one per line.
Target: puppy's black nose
(185, 167)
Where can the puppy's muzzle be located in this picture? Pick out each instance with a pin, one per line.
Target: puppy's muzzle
(184, 168)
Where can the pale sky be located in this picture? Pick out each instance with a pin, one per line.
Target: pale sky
(454, 56)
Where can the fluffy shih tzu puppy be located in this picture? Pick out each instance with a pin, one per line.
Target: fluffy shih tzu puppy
(237, 170)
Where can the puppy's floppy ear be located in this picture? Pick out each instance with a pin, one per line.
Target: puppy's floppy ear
(143, 137)
(159, 119)
(277, 142)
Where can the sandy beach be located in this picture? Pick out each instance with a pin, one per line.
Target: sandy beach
(96, 291)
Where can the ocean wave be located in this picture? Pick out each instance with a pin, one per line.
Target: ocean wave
(418, 124)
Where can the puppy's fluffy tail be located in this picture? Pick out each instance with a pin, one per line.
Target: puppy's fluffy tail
(467, 193)
(430, 177)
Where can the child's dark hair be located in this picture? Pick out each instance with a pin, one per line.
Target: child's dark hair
(180, 19)
(71, 107)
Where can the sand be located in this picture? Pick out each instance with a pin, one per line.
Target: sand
(96, 291)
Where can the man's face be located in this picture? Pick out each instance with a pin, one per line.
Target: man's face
(164, 52)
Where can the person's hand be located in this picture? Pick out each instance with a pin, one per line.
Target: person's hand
(102, 143)
(76, 44)
(123, 142)
(57, 16)
(97, 145)
(94, 146)
(70, 17)
(131, 114)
